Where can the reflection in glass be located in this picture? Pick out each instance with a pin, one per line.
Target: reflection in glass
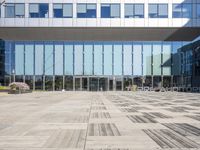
(157, 82)
(84, 84)
(38, 83)
(166, 81)
(49, 83)
(93, 84)
(118, 84)
(127, 84)
(77, 84)
(103, 86)
(19, 79)
(58, 83)
(69, 83)
(148, 81)
(29, 81)
(138, 81)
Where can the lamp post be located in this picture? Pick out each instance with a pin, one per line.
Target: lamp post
(13, 72)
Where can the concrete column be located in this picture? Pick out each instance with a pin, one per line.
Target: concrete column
(53, 83)
(108, 84)
(63, 82)
(43, 83)
(33, 83)
(73, 83)
(114, 84)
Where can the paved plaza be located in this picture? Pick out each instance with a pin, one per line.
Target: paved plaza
(100, 121)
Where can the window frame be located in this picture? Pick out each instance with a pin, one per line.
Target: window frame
(39, 10)
(87, 13)
(102, 16)
(62, 4)
(181, 12)
(14, 6)
(157, 13)
(133, 15)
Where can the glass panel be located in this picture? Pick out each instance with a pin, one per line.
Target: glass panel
(157, 82)
(29, 81)
(137, 59)
(88, 59)
(68, 83)
(48, 59)
(139, 11)
(107, 59)
(58, 59)
(166, 82)
(103, 84)
(58, 11)
(93, 82)
(34, 8)
(91, 11)
(49, 83)
(19, 10)
(38, 83)
(147, 61)
(29, 59)
(153, 10)
(198, 10)
(129, 8)
(187, 10)
(115, 11)
(105, 11)
(77, 84)
(128, 59)
(39, 59)
(78, 54)
(84, 84)
(58, 83)
(147, 81)
(81, 8)
(68, 59)
(67, 10)
(163, 10)
(117, 59)
(19, 78)
(19, 59)
(44, 10)
(98, 51)
(177, 11)
(166, 59)
(10, 11)
(176, 58)
(156, 59)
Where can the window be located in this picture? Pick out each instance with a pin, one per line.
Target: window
(110, 11)
(14, 10)
(158, 11)
(63, 10)
(86, 10)
(198, 10)
(134, 11)
(39, 10)
(182, 10)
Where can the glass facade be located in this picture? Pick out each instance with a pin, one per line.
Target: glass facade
(107, 10)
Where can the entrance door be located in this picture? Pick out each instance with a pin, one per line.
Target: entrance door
(111, 84)
(103, 84)
(84, 84)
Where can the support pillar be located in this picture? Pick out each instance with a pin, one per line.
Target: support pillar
(43, 83)
(53, 83)
(33, 83)
(73, 83)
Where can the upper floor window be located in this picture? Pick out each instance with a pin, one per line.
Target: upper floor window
(39, 10)
(110, 11)
(86, 10)
(198, 10)
(158, 10)
(14, 10)
(182, 10)
(62, 10)
(134, 10)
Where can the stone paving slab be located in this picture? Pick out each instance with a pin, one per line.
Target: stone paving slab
(100, 121)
